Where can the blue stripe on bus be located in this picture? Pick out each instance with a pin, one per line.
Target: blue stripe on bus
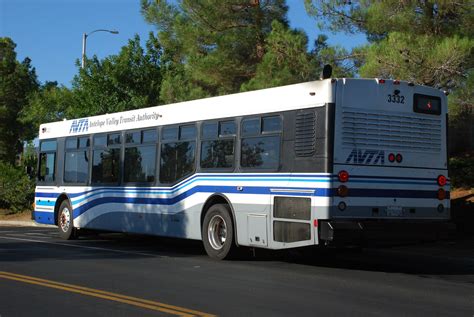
(44, 217)
(231, 177)
(320, 192)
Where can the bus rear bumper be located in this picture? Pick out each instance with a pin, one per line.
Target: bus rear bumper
(358, 232)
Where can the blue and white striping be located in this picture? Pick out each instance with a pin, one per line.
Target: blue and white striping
(124, 208)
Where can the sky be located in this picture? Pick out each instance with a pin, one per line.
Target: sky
(49, 32)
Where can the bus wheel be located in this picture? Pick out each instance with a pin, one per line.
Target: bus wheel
(65, 221)
(218, 232)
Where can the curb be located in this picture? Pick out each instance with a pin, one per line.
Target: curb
(18, 223)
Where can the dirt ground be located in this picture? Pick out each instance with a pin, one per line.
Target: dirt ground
(21, 216)
(466, 193)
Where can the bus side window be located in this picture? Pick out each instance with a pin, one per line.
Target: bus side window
(47, 161)
(217, 149)
(177, 153)
(260, 144)
(76, 160)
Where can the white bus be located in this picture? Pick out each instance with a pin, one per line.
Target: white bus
(285, 167)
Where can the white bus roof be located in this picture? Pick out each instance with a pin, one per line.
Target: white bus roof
(277, 99)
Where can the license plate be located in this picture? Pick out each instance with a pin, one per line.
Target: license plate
(394, 211)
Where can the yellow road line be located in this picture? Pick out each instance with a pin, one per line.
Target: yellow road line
(139, 302)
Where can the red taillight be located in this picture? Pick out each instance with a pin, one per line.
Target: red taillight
(441, 194)
(381, 81)
(442, 180)
(342, 191)
(343, 176)
(315, 222)
(391, 157)
(399, 158)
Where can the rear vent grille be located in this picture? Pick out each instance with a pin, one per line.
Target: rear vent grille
(391, 131)
(305, 133)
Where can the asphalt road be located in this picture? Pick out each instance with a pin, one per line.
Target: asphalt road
(121, 275)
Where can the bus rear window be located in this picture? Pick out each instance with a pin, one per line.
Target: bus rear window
(427, 104)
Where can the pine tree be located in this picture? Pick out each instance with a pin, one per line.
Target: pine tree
(211, 47)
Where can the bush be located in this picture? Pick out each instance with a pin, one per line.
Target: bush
(461, 171)
(16, 189)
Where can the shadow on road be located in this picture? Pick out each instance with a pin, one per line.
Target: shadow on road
(448, 257)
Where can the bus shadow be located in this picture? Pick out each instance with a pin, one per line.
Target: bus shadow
(448, 258)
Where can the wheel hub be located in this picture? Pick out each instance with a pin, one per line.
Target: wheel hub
(217, 232)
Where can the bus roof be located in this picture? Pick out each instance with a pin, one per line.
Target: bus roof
(304, 95)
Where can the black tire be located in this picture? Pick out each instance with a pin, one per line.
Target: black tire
(65, 221)
(218, 232)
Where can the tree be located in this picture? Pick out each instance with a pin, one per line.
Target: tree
(17, 82)
(129, 80)
(211, 47)
(286, 60)
(48, 104)
(426, 42)
(378, 18)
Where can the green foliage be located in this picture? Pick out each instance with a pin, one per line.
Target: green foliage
(16, 189)
(379, 18)
(50, 103)
(211, 47)
(461, 101)
(286, 60)
(461, 171)
(336, 56)
(129, 80)
(426, 42)
(422, 59)
(17, 82)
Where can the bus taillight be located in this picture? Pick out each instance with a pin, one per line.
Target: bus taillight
(442, 180)
(342, 191)
(391, 157)
(399, 158)
(343, 176)
(441, 194)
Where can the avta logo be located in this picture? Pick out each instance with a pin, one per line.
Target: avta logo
(81, 125)
(366, 157)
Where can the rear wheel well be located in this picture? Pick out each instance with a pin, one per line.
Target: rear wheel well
(219, 199)
(60, 199)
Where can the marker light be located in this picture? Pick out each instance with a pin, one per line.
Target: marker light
(343, 176)
(391, 157)
(381, 81)
(441, 194)
(442, 180)
(399, 158)
(396, 82)
(342, 191)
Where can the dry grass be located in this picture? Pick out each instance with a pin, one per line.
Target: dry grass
(460, 193)
(20, 216)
